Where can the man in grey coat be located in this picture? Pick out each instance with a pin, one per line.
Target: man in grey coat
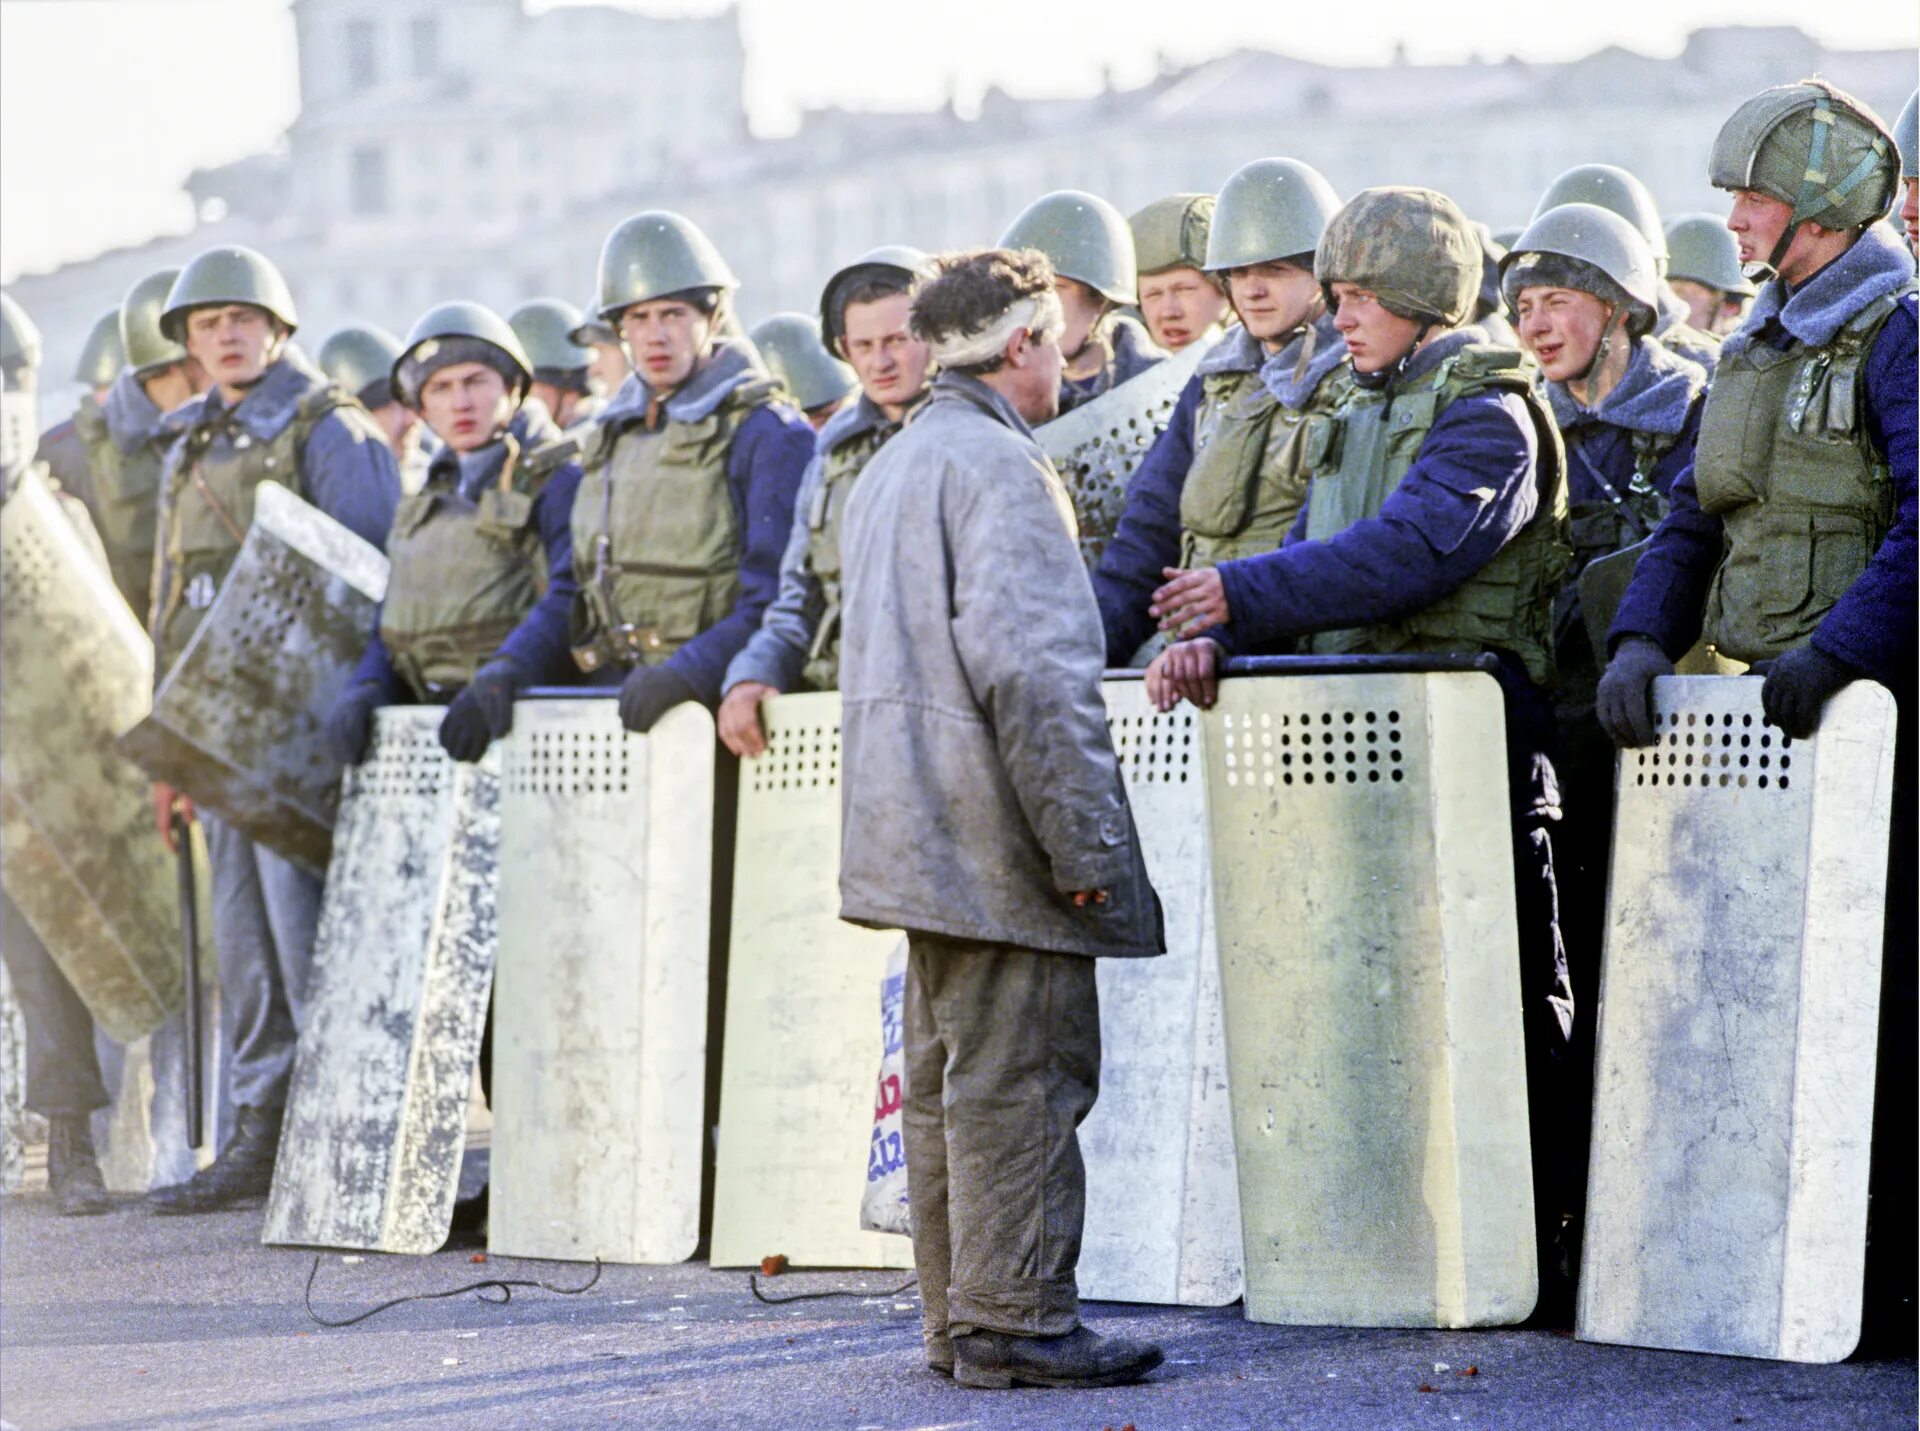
(984, 815)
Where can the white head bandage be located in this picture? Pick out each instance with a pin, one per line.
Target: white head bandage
(1040, 315)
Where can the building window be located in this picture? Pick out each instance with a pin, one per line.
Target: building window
(367, 181)
(424, 33)
(363, 59)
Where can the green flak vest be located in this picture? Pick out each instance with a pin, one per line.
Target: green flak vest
(1252, 459)
(656, 539)
(1785, 461)
(209, 505)
(1508, 603)
(464, 573)
(126, 496)
(829, 505)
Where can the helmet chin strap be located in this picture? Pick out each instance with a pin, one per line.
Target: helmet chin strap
(1616, 319)
(1385, 377)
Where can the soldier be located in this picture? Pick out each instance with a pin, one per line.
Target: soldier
(687, 501)
(1091, 250)
(360, 359)
(64, 446)
(1448, 536)
(818, 382)
(1703, 268)
(608, 369)
(865, 307)
(985, 816)
(562, 367)
(1227, 477)
(268, 416)
(1612, 187)
(1791, 540)
(1906, 130)
(1180, 301)
(486, 539)
(1489, 310)
(63, 1082)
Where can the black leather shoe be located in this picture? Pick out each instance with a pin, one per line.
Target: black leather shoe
(995, 1361)
(940, 1354)
(73, 1171)
(242, 1174)
(470, 1214)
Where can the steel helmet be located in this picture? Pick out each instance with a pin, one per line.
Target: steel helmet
(458, 333)
(897, 262)
(790, 344)
(545, 327)
(1585, 247)
(1270, 209)
(1701, 249)
(361, 360)
(655, 255)
(1085, 238)
(19, 339)
(1610, 187)
(101, 356)
(231, 274)
(147, 347)
(1906, 133)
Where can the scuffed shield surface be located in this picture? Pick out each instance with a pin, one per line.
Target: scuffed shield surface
(600, 999)
(77, 845)
(236, 723)
(1163, 1207)
(1733, 1108)
(376, 1118)
(1369, 961)
(1098, 447)
(803, 1034)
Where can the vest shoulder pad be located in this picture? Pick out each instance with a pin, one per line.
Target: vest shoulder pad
(549, 458)
(1483, 365)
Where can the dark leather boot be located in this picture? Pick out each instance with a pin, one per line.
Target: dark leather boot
(994, 1360)
(242, 1174)
(73, 1172)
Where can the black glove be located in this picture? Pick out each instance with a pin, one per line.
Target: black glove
(349, 724)
(1799, 682)
(1624, 700)
(649, 693)
(483, 712)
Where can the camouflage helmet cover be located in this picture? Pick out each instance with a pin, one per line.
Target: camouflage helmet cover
(1410, 247)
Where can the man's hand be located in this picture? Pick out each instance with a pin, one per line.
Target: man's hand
(1623, 701)
(1187, 670)
(167, 800)
(1084, 897)
(1799, 684)
(1191, 601)
(739, 719)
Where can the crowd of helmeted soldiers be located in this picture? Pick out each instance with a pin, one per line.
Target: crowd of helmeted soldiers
(1406, 434)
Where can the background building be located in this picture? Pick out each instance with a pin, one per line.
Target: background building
(507, 145)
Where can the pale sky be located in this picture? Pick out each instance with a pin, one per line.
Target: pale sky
(106, 105)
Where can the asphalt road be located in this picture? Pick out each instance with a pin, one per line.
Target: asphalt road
(132, 1320)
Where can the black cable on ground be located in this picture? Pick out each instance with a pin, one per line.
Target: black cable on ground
(503, 1285)
(753, 1281)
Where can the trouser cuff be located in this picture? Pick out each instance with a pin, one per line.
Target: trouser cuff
(1031, 1307)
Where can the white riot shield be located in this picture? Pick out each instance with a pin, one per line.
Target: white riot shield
(77, 845)
(1364, 894)
(376, 1120)
(237, 722)
(1733, 1106)
(600, 993)
(1098, 447)
(1163, 1208)
(803, 1019)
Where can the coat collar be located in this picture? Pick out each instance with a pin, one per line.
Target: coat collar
(473, 472)
(732, 364)
(857, 419)
(1654, 395)
(964, 389)
(132, 418)
(1876, 265)
(266, 408)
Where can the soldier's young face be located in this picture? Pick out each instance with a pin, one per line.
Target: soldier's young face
(1910, 213)
(1376, 339)
(608, 368)
(174, 384)
(1272, 299)
(466, 405)
(889, 361)
(1179, 305)
(1703, 303)
(666, 340)
(399, 423)
(234, 342)
(1756, 222)
(1561, 327)
(1083, 308)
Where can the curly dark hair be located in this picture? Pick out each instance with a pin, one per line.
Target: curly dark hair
(967, 291)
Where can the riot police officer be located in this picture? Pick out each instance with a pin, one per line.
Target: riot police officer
(269, 415)
(866, 309)
(1703, 268)
(562, 367)
(1180, 301)
(1791, 539)
(608, 368)
(690, 474)
(819, 383)
(65, 447)
(1906, 131)
(1228, 476)
(360, 359)
(1091, 249)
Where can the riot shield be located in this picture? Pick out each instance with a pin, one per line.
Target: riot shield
(1602, 585)
(600, 1007)
(376, 1120)
(1740, 995)
(803, 1020)
(78, 850)
(1098, 447)
(1363, 890)
(236, 723)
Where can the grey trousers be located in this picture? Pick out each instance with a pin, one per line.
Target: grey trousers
(265, 914)
(63, 1068)
(1002, 1065)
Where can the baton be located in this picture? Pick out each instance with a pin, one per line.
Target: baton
(190, 955)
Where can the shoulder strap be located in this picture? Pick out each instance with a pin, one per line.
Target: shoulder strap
(541, 463)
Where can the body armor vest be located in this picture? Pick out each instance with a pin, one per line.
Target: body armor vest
(209, 506)
(1508, 603)
(656, 538)
(126, 495)
(841, 467)
(464, 573)
(1623, 513)
(1252, 458)
(1785, 461)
